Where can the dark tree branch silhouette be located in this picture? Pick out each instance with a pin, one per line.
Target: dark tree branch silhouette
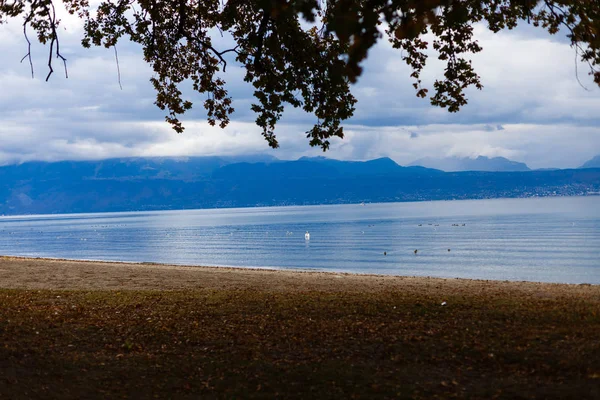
(28, 55)
(303, 53)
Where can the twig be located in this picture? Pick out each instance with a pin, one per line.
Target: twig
(27, 21)
(218, 53)
(118, 68)
(28, 55)
(576, 70)
(50, 60)
(64, 60)
(574, 40)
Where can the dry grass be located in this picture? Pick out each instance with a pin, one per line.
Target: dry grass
(233, 342)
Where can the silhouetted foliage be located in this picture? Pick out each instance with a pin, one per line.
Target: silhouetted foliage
(305, 53)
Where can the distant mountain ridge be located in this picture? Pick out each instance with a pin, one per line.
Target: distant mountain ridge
(130, 167)
(132, 184)
(481, 163)
(319, 168)
(593, 163)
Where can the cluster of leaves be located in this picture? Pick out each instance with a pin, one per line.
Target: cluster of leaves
(305, 53)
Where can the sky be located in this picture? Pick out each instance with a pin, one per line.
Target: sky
(532, 108)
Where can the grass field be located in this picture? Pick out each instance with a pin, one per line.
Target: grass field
(259, 343)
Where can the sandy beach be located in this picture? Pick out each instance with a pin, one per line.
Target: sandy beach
(96, 330)
(39, 273)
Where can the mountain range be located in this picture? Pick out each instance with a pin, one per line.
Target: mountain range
(207, 182)
(481, 163)
(593, 163)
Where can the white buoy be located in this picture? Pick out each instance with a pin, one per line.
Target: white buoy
(307, 236)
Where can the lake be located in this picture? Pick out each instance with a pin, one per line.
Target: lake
(538, 239)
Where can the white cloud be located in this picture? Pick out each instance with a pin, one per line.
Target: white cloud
(532, 108)
(539, 146)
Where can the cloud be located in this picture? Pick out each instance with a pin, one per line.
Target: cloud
(527, 79)
(532, 108)
(537, 145)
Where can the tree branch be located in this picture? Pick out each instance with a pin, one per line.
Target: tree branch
(25, 23)
(576, 70)
(262, 29)
(182, 21)
(52, 20)
(574, 40)
(50, 60)
(28, 55)
(217, 53)
(220, 54)
(58, 55)
(118, 67)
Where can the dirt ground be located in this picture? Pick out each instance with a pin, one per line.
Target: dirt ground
(91, 330)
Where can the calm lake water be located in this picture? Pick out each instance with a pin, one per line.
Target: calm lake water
(545, 239)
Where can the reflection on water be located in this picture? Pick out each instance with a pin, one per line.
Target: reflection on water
(550, 239)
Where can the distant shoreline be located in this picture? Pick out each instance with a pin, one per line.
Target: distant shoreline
(282, 205)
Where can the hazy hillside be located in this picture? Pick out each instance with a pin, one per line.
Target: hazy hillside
(127, 168)
(593, 163)
(205, 182)
(481, 163)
